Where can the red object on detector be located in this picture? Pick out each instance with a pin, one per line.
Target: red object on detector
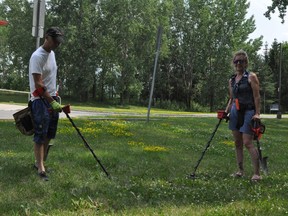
(66, 109)
(221, 114)
(3, 23)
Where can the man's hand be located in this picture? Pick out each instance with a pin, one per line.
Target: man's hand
(226, 116)
(56, 106)
(66, 109)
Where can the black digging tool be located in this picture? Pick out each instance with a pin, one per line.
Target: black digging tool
(221, 114)
(66, 110)
(258, 129)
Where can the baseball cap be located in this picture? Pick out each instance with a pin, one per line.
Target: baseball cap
(56, 33)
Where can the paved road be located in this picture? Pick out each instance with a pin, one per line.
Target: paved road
(7, 110)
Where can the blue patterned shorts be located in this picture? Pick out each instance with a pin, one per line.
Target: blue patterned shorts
(246, 127)
(45, 122)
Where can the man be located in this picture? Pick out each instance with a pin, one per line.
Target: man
(44, 105)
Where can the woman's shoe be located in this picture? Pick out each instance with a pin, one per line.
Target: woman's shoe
(238, 174)
(256, 178)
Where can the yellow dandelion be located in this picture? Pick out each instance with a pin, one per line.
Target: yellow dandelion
(229, 143)
(7, 154)
(165, 124)
(134, 143)
(117, 128)
(155, 148)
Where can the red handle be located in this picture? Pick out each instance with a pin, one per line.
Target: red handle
(66, 109)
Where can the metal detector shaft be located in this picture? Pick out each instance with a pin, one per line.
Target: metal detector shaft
(207, 146)
(87, 145)
(259, 129)
(263, 161)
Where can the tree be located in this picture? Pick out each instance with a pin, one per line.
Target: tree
(130, 33)
(109, 48)
(203, 36)
(259, 65)
(284, 77)
(18, 43)
(224, 37)
(78, 57)
(277, 57)
(281, 5)
(3, 55)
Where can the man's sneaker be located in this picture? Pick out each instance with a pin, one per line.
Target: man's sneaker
(43, 176)
(48, 170)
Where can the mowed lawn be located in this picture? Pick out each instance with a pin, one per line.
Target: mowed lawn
(148, 164)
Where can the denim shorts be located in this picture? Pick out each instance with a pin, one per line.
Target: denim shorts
(246, 127)
(45, 121)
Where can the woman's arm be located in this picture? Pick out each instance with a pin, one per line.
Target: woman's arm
(256, 93)
(228, 107)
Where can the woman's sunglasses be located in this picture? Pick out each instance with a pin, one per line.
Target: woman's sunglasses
(239, 62)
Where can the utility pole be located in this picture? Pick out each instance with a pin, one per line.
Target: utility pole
(158, 44)
(264, 87)
(38, 20)
(279, 113)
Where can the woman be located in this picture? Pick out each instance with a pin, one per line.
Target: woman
(244, 105)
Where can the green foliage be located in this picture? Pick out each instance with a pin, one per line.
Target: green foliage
(281, 6)
(109, 49)
(148, 164)
(266, 79)
(18, 44)
(171, 105)
(277, 61)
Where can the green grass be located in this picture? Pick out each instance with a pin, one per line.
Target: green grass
(12, 97)
(21, 99)
(148, 164)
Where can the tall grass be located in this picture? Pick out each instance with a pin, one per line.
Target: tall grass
(148, 164)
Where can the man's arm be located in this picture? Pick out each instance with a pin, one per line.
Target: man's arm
(39, 84)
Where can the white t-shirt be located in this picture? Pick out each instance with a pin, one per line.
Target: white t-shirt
(44, 63)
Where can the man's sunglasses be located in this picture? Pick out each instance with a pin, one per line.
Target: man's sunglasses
(239, 62)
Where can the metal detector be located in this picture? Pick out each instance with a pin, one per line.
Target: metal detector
(258, 129)
(66, 110)
(221, 114)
